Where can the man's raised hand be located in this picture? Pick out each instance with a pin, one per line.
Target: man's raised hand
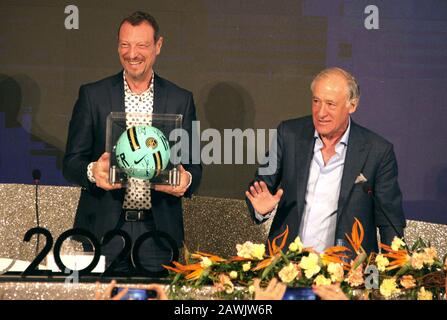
(261, 198)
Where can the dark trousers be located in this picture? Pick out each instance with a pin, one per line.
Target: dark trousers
(153, 252)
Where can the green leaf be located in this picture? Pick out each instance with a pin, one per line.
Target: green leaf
(270, 267)
(418, 244)
(187, 254)
(176, 278)
(360, 259)
(284, 257)
(402, 270)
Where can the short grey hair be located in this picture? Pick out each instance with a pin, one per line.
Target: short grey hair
(353, 87)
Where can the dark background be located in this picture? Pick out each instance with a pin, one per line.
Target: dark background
(249, 64)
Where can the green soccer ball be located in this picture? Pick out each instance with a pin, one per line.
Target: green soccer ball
(142, 152)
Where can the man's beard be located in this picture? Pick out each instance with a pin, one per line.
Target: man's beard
(137, 76)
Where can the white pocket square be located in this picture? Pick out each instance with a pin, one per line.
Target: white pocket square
(360, 179)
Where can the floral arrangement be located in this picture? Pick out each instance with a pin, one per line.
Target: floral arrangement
(400, 272)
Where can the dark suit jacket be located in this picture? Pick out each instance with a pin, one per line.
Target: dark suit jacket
(99, 210)
(367, 153)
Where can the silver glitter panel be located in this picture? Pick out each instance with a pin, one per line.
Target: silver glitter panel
(434, 233)
(216, 225)
(57, 206)
(86, 291)
(213, 225)
(51, 291)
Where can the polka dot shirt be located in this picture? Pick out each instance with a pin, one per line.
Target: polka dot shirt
(138, 192)
(139, 108)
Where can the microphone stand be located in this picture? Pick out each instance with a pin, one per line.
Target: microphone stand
(369, 191)
(36, 182)
(36, 177)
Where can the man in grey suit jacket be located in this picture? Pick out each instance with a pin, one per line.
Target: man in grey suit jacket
(323, 163)
(139, 209)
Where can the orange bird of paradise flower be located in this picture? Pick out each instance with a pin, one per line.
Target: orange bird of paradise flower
(195, 270)
(274, 250)
(399, 257)
(357, 236)
(336, 255)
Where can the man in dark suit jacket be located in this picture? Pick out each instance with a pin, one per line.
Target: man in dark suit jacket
(100, 206)
(323, 163)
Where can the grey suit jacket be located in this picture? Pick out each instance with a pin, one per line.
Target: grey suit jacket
(367, 153)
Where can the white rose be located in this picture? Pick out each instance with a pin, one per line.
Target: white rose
(206, 262)
(397, 244)
(246, 266)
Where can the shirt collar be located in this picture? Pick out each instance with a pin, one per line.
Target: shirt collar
(127, 89)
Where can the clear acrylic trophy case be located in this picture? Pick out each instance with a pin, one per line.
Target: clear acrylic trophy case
(140, 148)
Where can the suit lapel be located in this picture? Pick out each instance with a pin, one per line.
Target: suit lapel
(117, 93)
(358, 148)
(160, 95)
(303, 155)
